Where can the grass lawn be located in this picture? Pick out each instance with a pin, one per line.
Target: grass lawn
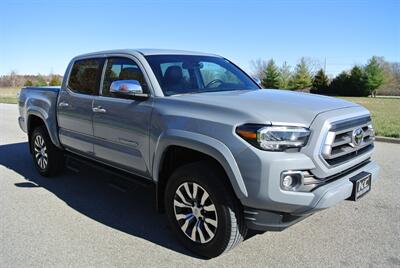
(8, 95)
(385, 114)
(385, 111)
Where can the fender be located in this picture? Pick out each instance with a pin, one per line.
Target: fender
(50, 123)
(204, 144)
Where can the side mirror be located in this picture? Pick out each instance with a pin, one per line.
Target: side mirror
(127, 89)
(257, 80)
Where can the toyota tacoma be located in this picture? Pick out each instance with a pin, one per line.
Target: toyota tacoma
(225, 156)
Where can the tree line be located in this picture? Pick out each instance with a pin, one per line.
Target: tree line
(15, 80)
(362, 80)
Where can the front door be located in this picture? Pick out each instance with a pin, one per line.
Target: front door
(121, 126)
(74, 111)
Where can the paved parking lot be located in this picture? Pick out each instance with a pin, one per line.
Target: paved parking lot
(90, 220)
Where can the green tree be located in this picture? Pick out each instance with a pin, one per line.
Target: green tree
(353, 84)
(285, 75)
(320, 83)
(374, 76)
(339, 84)
(302, 78)
(271, 78)
(357, 83)
(55, 81)
(28, 83)
(40, 81)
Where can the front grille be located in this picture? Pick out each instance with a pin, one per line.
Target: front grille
(347, 140)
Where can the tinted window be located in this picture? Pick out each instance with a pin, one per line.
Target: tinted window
(121, 69)
(84, 77)
(181, 74)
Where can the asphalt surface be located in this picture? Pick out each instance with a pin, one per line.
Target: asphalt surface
(86, 219)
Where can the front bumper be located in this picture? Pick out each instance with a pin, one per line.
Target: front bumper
(263, 220)
(324, 197)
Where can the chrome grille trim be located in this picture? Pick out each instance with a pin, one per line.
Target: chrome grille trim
(340, 145)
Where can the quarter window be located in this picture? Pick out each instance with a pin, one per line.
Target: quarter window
(84, 77)
(121, 69)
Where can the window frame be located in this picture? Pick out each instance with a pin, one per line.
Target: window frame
(126, 57)
(98, 76)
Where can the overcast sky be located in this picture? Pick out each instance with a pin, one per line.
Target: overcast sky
(42, 36)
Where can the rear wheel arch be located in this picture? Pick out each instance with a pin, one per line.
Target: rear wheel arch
(34, 122)
(36, 119)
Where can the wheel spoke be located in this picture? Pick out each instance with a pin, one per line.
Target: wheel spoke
(204, 198)
(37, 143)
(186, 186)
(37, 155)
(181, 205)
(185, 225)
(212, 222)
(209, 232)
(202, 239)
(195, 191)
(36, 149)
(193, 236)
(209, 208)
(183, 199)
(184, 216)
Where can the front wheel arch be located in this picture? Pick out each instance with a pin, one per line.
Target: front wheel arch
(176, 156)
(211, 148)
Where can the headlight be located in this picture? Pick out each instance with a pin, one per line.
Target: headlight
(274, 138)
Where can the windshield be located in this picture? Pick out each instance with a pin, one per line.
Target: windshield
(182, 74)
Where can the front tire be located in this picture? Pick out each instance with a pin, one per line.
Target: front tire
(203, 211)
(48, 159)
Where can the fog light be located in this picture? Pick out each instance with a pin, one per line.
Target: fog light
(287, 181)
(291, 180)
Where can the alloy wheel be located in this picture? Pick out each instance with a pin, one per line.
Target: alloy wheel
(40, 149)
(195, 212)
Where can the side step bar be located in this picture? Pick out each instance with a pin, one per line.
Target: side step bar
(75, 162)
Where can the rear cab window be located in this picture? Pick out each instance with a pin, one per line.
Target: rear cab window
(85, 76)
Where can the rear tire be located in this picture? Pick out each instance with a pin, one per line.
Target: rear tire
(48, 159)
(202, 210)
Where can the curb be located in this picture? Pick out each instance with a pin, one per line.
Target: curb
(388, 140)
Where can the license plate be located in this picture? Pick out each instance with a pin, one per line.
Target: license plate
(361, 185)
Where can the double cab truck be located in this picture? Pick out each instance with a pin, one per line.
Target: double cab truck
(225, 156)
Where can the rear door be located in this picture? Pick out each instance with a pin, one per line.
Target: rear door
(121, 126)
(74, 111)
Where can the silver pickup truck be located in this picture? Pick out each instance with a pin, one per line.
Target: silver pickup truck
(223, 154)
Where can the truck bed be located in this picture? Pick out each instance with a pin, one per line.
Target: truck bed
(40, 102)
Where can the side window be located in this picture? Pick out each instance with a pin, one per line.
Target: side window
(85, 76)
(211, 71)
(121, 69)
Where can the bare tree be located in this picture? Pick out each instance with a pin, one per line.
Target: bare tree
(313, 64)
(13, 77)
(258, 67)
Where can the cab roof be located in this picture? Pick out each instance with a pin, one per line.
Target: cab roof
(147, 52)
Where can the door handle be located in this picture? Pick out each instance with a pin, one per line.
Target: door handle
(98, 109)
(63, 104)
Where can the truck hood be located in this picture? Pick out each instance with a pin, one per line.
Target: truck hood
(270, 106)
